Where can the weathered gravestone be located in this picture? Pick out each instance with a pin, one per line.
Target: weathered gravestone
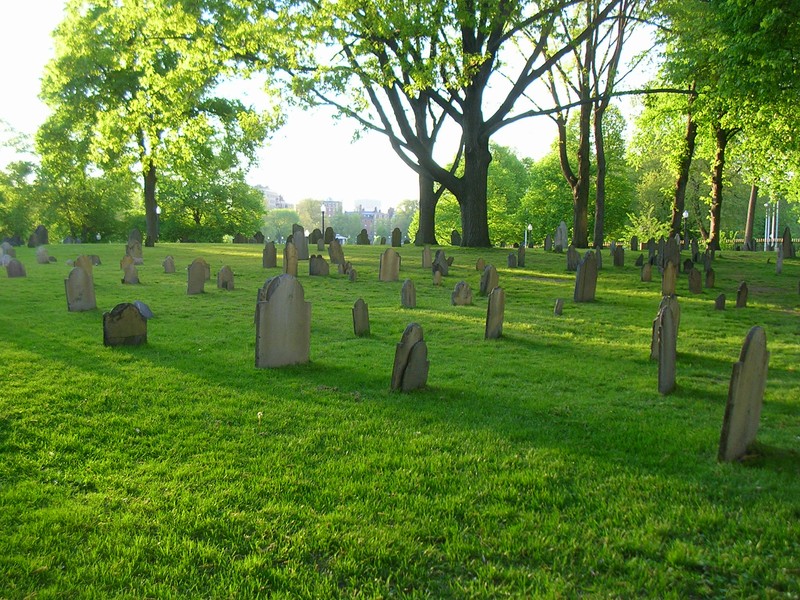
(42, 257)
(315, 237)
(745, 397)
(125, 262)
(669, 279)
(39, 237)
(290, 259)
(695, 281)
(300, 241)
(130, 275)
(573, 258)
(397, 240)
(134, 250)
(695, 249)
(79, 287)
(9, 250)
(344, 267)
(741, 295)
(437, 278)
(548, 243)
(511, 261)
(196, 277)
(462, 294)
(586, 279)
(480, 265)
(455, 238)
(639, 261)
(329, 236)
(168, 264)
(495, 312)
(688, 265)
(389, 268)
(124, 325)
(225, 278)
(786, 244)
(318, 266)
(427, 258)
(335, 252)
(521, 256)
(410, 368)
(440, 263)
(352, 275)
(710, 278)
(647, 273)
(408, 294)
(489, 280)
(558, 308)
(360, 318)
(651, 249)
(560, 241)
(239, 238)
(618, 256)
(383, 241)
(672, 251)
(362, 239)
(258, 237)
(671, 303)
(269, 256)
(634, 243)
(667, 350)
(719, 303)
(283, 323)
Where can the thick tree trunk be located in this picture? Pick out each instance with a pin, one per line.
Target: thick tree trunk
(749, 242)
(600, 181)
(426, 234)
(150, 204)
(472, 200)
(580, 192)
(685, 162)
(722, 137)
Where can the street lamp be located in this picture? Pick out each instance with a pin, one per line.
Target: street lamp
(323, 223)
(527, 229)
(97, 237)
(685, 228)
(158, 215)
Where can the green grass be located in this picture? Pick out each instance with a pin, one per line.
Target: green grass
(542, 464)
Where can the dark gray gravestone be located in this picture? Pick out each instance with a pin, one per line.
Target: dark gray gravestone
(495, 312)
(489, 280)
(383, 240)
(79, 287)
(695, 281)
(667, 351)
(283, 323)
(480, 265)
(124, 325)
(239, 238)
(39, 237)
(315, 237)
(619, 256)
(710, 278)
(462, 294)
(300, 241)
(671, 303)
(586, 278)
(521, 256)
(745, 397)
(440, 263)
(389, 268)
(318, 266)
(196, 277)
(558, 309)
(225, 278)
(130, 275)
(258, 237)
(786, 244)
(396, 237)
(688, 265)
(144, 309)
(548, 243)
(269, 256)
(427, 258)
(455, 238)
(651, 249)
(408, 294)
(512, 261)
(335, 252)
(330, 235)
(168, 264)
(668, 279)
(640, 261)
(573, 258)
(672, 251)
(362, 239)
(410, 368)
(741, 295)
(290, 259)
(719, 303)
(360, 318)
(450, 260)
(634, 244)
(647, 273)
(352, 275)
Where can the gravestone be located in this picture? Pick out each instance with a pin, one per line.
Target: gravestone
(79, 287)
(360, 318)
(619, 256)
(489, 280)
(719, 303)
(695, 281)
(437, 278)
(124, 325)
(786, 244)
(667, 351)
(647, 273)
(741, 295)
(586, 279)
(383, 240)
(427, 258)
(335, 252)
(695, 249)
(239, 238)
(130, 275)
(672, 251)
(410, 367)
(290, 259)
(462, 294)
(779, 260)
(330, 235)
(495, 312)
(5, 259)
(168, 264)
(389, 268)
(362, 239)
(144, 309)
(300, 241)
(455, 238)
(745, 397)
(634, 243)
(710, 278)
(548, 243)
(521, 256)
(639, 261)
(42, 257)
(344, 268)
(408, 294)
(573, 258)
(258, 237)
(560, 239)
(125, 262)
(269, 256)
(352, 275)
(598, 255)
(135, 235)
(480, 265)
(558, 308)
(196, 277)
(688, 265)
(668, 279)
(651, 249)
(39, 237)
(396, 237)
(512, 261)
(318, 266)
(283, 323)
(671, 303)
(134, 250)
(9, 250)
(440, 263)
(450, 260)
(315, 237)
(225, 278)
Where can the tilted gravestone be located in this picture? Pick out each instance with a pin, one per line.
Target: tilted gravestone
(225, 278)
(495, 312)
(196, 277)
(512, 261)
(741, 295)
(389, 268)
(480, 265)
(786, 244)
(745, 397)
(427, 258)
(396, 237)
(668, 279)
(79, 287)
(168, 264)
(710, 278)
(521, 256)
(462, 294)
(647, 273)
(318, 266)
(667, 351)
(290, 259)
(269, 256)
(586, 279)
(455, 238)
(440, 263)
(719, 303)
(300, 241)
(360, 318)
(573, 258)
(362, 239)
(671, 303)
(283, 323)
(335, 252)
(408, 294)
(489, 280)
(352, 275)
(558, 308)
(695, 281)
(410, 368)
(124, 325)
(130, 275)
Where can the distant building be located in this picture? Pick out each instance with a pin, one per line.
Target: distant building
(370, 217)
(272, 199)
(332, 207)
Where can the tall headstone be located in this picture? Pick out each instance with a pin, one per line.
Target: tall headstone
(672, 251)
(695, 281)
(290, 259)
(329, 236)
(269, 256)
(462, 294)
(440, 263)
(361, 318)
(647, 273)
(573, 258)
(480, 265)
(745, 397)
(300, 241)
(786, 244)
(397, 240)
(710, 278)
(362, 239)
(667, 351)
(619, 256)
(668, 279)
(670, 303)
(427, 257)
(318, 266)
(408, 294)
(511, 261)
(455, 238)
(196, 277)
(168, 264)
(495, 312)
(79, 287)
(634, 243)
(741, 295)
(410, 368)
(586, 279)
(560, 242)
(389, 268)
(225, 278)
(124, 325)
(521, 256)
(335, 252)
(489, 280)
(283, 323)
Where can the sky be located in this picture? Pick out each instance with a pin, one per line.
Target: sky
(312, 156)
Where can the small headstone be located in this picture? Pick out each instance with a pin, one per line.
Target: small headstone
(335, 252)
(168, 264)
(450, 260)
(300, 241)
(573, 258)
(360, 318)
(647, 273)
(42, 257)
(495, 312)
(548, 243)
(480, 265)
(640, 261)
(710, 278)
(269, 256)
(668, 279)
(383, 240)
(196, 278)
(397, 235)
(635, 244)
(330, 235)
(318, 266)
(437, 278)
(667, 351)
(455, 238)
(130, 275)
(440, 263)
(695, 281)
(144, 309)
(389, 268)
(344, 268)
(741, 295)
(290, 259)
(688, 265)
(521, 256)
(779, 260)
(489, 280)
(745, 397)
(410, 368)
(316, 237)
(719, 303)
(462, 294)
(352, 275)
(586, 279)
(408, 294)
(52, 259)
(512, 261)
(558, 309)
(283, 323)
(362, 239)
(619, 256)
(124, 325)
(225, 278)
(79, 287)
(427, 258)
(258, 237)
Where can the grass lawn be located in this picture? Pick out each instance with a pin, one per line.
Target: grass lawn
(542, 464)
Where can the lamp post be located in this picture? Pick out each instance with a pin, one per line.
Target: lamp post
(685, 229)
(323, 222)
(766, 226)
(97, 237)
(527, 229)
(158, 218)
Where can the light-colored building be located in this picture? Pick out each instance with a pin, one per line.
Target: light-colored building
(272, 199)
(332, 207)
(370, 217)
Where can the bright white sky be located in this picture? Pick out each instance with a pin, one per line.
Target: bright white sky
(311, 157)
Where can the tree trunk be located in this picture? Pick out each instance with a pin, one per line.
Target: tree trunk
(150, 203)
(684, 164)
(473, 197)
(749, 242)
(722, 137)
(426, 234)
(600, 183)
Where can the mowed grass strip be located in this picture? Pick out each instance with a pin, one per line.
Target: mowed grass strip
(544, 463)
